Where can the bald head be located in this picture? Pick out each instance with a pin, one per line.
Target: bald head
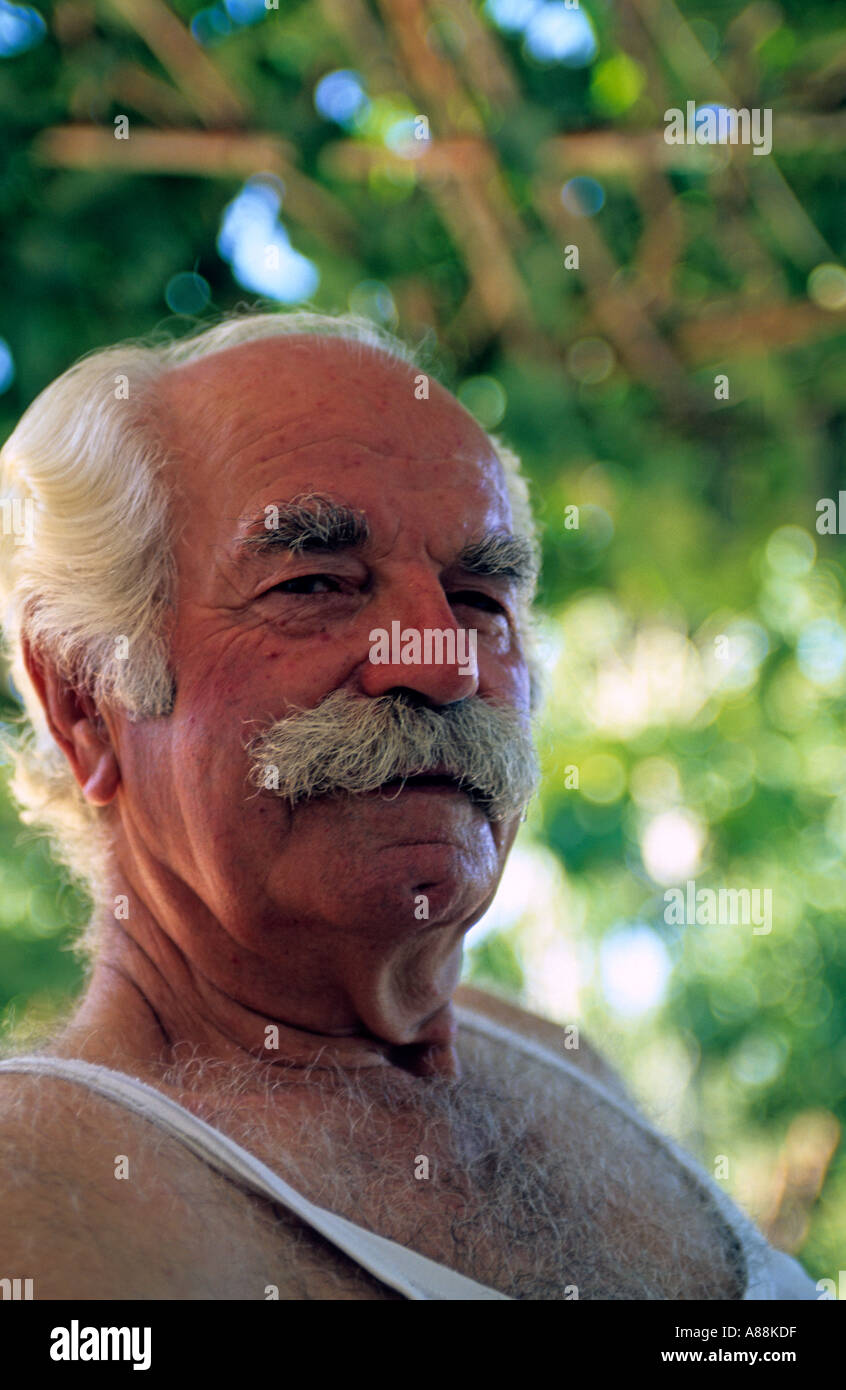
(306, 388)
(318, 413)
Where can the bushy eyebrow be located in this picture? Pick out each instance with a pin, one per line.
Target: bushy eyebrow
(313, 523)
(316, 523)
(501, 555)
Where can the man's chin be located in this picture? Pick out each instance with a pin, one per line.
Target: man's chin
(421, 881)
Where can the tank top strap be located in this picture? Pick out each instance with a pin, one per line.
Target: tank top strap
(409, 1273)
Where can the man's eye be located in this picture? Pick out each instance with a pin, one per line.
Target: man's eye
(477, 600)
(308, 584)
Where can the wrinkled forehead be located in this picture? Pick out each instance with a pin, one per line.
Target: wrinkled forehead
(268, 420)
(308, 382)
(318, 413)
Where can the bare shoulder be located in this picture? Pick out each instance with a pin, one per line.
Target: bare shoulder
(95, 1204)
(542, 1030)
(69, 1220)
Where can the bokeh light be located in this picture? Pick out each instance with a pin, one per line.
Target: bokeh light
(655, 784)
(603, 778)
(590, 360)
(485, 398)
(7, 366)
(635, 968)
(732, 657)
(258, 248)
(187, 293)
(821, 651)
(583, 196)
(557, 34)
(759, 1058)
(512, 15)
(246, 11)
(724, 129)
(373, 300)
(616, 83)
(340, 96)
(216, 22)
(21, 28)
(827, 286)
(407, 137)
(672, 846)
(210, 25)
(791, 550)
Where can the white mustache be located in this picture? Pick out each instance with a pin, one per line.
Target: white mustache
(351, 744)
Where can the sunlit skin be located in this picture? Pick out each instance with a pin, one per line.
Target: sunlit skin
(243, 912)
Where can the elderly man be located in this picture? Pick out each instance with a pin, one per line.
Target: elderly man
(269, 623)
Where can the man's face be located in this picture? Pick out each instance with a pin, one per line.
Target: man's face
(329, 890)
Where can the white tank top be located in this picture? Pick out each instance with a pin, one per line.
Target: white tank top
(771, 1274)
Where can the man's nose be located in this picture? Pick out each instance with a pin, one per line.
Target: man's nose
(417, 645)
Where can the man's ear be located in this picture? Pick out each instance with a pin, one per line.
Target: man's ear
(78, 728)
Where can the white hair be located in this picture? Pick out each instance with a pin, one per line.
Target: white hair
(91, 576)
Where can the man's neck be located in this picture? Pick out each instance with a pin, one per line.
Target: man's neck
(135, 1014)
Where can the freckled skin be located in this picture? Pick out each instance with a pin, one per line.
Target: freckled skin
(319, 902)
